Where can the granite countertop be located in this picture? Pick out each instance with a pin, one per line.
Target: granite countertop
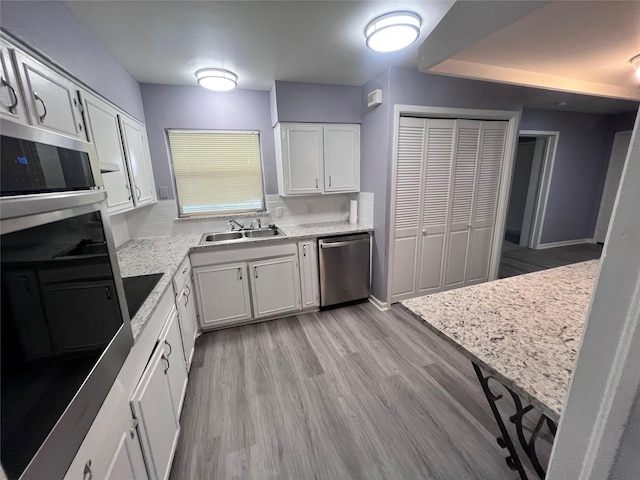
(526, 330)
(164, 254)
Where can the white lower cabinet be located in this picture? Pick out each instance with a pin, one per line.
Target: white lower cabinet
(152, 405)
(127, 463)
(188, 316)
(176, 369)
(308, 255)
(223, 293)
(275, 286)
(235, 286)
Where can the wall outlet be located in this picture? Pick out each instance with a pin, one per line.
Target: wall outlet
(163, 192)
(278, 212)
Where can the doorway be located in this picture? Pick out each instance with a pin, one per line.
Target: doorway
(533, 165)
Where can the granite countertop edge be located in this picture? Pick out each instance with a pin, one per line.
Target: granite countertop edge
(488, 369)
(165, 254)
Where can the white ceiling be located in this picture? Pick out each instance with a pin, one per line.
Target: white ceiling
(261, 41)
(564, 45)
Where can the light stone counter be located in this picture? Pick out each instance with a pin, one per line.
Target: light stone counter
(525, 330)
(164, 254)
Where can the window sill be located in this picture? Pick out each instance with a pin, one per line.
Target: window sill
(223, 216)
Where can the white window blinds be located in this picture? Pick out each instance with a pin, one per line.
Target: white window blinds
(217, 171)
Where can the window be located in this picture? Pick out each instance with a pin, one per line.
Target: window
(216, 171)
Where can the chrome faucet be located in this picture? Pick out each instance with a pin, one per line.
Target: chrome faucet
(256, 221)
(232, 225)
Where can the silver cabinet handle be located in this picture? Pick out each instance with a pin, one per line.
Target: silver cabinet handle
(168, 364)
(304, 250)
(138, 192)
(170, 349)
(87, 473)
(186, 299)
(44, 105)
(14, 102)
(184, 270)
(316, 183)
(255, 271)
(329, 180)
(239, 274)
(128, 190)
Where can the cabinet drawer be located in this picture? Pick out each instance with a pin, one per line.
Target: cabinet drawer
(182, 275)
(242, 253)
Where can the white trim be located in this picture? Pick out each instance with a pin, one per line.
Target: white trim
(565, 243)
(542, 201)
(513, 119)
(379, 304)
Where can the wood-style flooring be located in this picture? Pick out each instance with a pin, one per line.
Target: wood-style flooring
(526, 260)
(350, 393)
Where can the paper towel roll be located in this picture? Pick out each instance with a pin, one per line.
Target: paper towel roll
(353, 212)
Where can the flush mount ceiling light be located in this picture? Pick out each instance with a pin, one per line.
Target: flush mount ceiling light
(217, 79)
(392, 31)
(635, 61)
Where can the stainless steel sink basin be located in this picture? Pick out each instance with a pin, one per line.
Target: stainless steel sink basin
(241, 235)
(221, 237)
(267, 232)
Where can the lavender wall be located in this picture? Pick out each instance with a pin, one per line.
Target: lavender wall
(310, 102)
(51, 29)
(375, 152)
(168, 106)
(579, 171)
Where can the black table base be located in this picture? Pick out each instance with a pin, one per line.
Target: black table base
(504, 440)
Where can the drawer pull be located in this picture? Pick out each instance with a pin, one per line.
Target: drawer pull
(255, 271)
(170, 349)
(304, 250)
(14, 100)
(239, 273)
(44, 105)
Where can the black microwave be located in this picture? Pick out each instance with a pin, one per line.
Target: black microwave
(65, 330)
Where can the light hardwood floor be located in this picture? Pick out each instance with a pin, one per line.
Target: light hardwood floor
(349, 393)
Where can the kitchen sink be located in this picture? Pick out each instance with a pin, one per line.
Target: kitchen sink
(266, 232)
(222, 237)
(241, 235)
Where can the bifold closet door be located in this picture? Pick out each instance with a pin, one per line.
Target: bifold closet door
(485, 202)
(436, 192)
(408, 198)
(463, 183)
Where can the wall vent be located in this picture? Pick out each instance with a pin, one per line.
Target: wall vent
(374, 98)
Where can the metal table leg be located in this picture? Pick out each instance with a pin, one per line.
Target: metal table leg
(528, 445)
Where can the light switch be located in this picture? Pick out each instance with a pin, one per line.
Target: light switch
(163, 192)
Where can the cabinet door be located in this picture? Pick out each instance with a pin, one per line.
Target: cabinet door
(302, 158)
(275, 285)
(176, 371)
(51, 98)
(188, 317)
(342, 158)
(104, 132)
(127, 463)
(223, 294)
(307, 253)
(11, 101)
(137, 151)
(153, 407)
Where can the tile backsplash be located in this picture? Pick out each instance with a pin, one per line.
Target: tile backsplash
(160, 218)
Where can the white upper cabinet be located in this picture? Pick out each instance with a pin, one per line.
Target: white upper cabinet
(341, 158)
(104, 132)
(52, 100)
(137, 151)
(315, 158)
(11, 101)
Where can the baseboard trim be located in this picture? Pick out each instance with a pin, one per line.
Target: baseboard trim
(379, 304)
(565, 243)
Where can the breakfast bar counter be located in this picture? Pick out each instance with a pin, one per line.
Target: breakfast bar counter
(522, 331)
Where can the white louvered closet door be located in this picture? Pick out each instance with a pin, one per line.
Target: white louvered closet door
(485, 202)
(408, 195)
(463, 182)
(438, 160)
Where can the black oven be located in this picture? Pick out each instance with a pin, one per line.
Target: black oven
(65, 329)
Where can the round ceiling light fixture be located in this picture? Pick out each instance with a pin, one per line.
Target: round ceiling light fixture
(393, 31)
(217, 79)
(635, 62)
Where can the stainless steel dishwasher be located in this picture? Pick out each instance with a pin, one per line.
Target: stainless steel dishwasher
(344, 268)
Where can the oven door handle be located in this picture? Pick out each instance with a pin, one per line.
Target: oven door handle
(26, 205)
